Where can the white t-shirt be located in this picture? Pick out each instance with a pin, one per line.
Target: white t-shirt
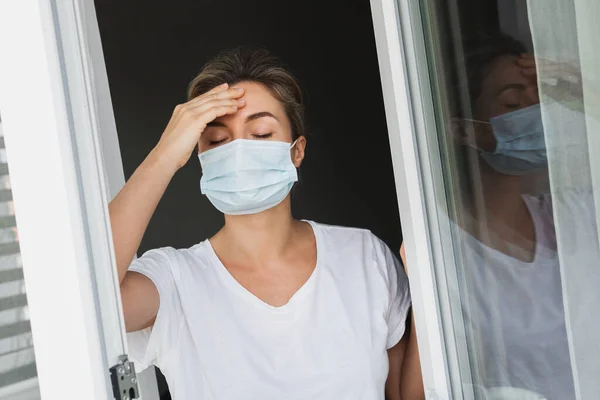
(214, 340)
(516, 312)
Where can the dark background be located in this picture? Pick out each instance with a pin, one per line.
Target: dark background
(154, 48)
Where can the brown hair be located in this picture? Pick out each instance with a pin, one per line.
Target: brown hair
(254, 64)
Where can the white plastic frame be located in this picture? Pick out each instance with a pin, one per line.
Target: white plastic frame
(55, 101)
(410, 114)
(407, 171)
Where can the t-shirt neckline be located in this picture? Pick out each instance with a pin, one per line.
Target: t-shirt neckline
(248, 296)
(541, 253)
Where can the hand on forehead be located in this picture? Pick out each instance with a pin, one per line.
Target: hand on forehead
(262, 117)
(260, 102)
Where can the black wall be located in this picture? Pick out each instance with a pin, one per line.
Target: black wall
(154, 48)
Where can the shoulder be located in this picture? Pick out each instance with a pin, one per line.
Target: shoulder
(170, 261)
(172, 254)
(343, 236)
(348, 246)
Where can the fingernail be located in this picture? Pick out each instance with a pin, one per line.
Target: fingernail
(238, 89)
(223, 85)
(241, 101)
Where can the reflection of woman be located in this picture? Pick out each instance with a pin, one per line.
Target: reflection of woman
(514, 301)
(269, 307)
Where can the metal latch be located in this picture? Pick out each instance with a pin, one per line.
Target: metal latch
(124, 381)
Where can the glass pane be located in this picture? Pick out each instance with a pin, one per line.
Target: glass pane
(18, 376)
(516, 93)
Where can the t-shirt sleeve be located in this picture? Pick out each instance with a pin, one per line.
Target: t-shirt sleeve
(399, 294)
(150, 346)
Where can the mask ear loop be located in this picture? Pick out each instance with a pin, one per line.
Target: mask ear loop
(476, 121)
(293, 144)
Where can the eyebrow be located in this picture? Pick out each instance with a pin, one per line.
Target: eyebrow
(518, 86)
(261, 114)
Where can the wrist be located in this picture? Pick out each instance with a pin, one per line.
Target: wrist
(160, 160)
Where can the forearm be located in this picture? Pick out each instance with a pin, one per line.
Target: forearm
(131, 210)
(411, 380)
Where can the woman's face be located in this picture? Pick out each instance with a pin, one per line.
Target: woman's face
(263, 118)
(504, 89)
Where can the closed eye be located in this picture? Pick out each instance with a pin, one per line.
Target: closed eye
(263, 135)
(216, 142)
(512, 105)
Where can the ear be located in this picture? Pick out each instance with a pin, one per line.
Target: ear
(458, 132)
(474, 133)
(298, 151)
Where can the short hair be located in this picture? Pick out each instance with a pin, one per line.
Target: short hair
(254, 64)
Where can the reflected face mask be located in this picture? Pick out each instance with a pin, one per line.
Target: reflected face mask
(247, 176)
(520, 145)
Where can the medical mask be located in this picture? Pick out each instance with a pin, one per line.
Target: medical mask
(247, 176)
(520, 145)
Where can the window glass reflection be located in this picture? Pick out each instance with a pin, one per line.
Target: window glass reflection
(520, 130)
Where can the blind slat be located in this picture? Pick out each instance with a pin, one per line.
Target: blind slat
(5, 195)
(10, 275)
(18, 374)
(14, 329)
(7, 303)
(9, 248)
(8, 221)
(18, 349)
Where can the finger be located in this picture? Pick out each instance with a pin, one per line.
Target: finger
(555, 71)
(204, 107)
(231, 93)
(222, 87)
(217, 89)
(526, 62)
(215, 112)
(529, 72)
(546, 66)
(180, 108)
(211, 93)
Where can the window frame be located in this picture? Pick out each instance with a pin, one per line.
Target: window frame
(420, 183)
(65, 165)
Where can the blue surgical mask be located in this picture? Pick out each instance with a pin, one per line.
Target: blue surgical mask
(247, 176)
(520, 145)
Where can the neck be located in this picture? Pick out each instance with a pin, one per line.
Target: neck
(505, 217)
(501, 195)
(264, 235)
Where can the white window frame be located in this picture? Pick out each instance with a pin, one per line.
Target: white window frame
(55, 101)
(410, 114)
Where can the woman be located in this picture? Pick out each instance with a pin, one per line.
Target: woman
(511, 271)
(270, 307)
